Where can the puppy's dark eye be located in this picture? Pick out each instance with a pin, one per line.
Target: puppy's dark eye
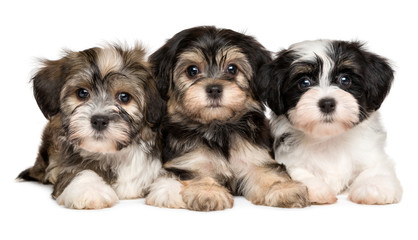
(192, 71)
(304, 83)
(124, 97)
(232, 69)
(83, 94)
(344, 81)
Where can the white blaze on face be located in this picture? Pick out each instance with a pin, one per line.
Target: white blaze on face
(109, 60)
(310, 51)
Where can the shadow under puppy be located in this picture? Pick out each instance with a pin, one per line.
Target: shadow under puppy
(101, 143)
(216, 139)
(324, 96)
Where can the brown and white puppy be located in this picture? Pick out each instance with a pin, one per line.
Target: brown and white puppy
(101, 143)
(216, 140)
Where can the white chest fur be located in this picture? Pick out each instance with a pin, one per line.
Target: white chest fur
(136, 171)
(337, 160)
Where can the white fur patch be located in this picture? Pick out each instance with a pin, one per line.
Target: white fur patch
(355, 160)
(136, 172)
(376, 187)
(165, 192)
(109, 60)
(310, 50)
(88, 191)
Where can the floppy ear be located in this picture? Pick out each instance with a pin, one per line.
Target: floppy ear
(156, 106)
(47, 85)
(161, 66)
(268, 89)
(270, 79)
(162, 61)
(261, 57)
(379, 78)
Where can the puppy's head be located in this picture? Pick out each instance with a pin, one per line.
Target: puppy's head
(325, 87)
(206, 73)
(106, 96)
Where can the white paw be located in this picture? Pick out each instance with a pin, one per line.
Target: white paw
(376, 192)
(165, 192)
(88, 191)
(321, 193)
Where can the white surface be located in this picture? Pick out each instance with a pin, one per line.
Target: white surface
(39, 29)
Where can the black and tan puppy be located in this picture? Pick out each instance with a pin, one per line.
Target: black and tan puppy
(216, 137)
(100, 144)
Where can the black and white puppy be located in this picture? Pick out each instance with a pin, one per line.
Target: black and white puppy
(324, 96)
(216, 139)
(101, 143)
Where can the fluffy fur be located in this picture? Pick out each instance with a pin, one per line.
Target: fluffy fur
(324, 97)
(216, 137)
(101, 142)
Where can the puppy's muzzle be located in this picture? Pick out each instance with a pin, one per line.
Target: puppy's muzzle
(214, 91)
(99, 122)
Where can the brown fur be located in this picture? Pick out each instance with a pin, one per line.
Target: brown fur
(206, 195)
(72, 144)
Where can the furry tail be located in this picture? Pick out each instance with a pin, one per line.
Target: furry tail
(27, 175)
(38, 171)
(35, 173)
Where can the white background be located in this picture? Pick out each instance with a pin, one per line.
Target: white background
(40, 29)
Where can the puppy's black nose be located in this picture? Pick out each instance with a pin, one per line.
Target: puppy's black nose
(214, 91)
(99, 122)
(327, 105)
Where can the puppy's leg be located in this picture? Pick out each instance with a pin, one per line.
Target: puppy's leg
(319, 191)
(272, 186)
(263, 181)
(205, 194)
(202, 192)
(86, 190)
(165, 192)
(376, 186)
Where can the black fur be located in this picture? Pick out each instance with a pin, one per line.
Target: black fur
(156, 106)
(372, 76)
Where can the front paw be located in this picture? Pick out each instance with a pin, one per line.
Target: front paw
(206, 195)
(321, 193)
(287, 195)
(370, 193)
(87, 191)
(165, 192)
